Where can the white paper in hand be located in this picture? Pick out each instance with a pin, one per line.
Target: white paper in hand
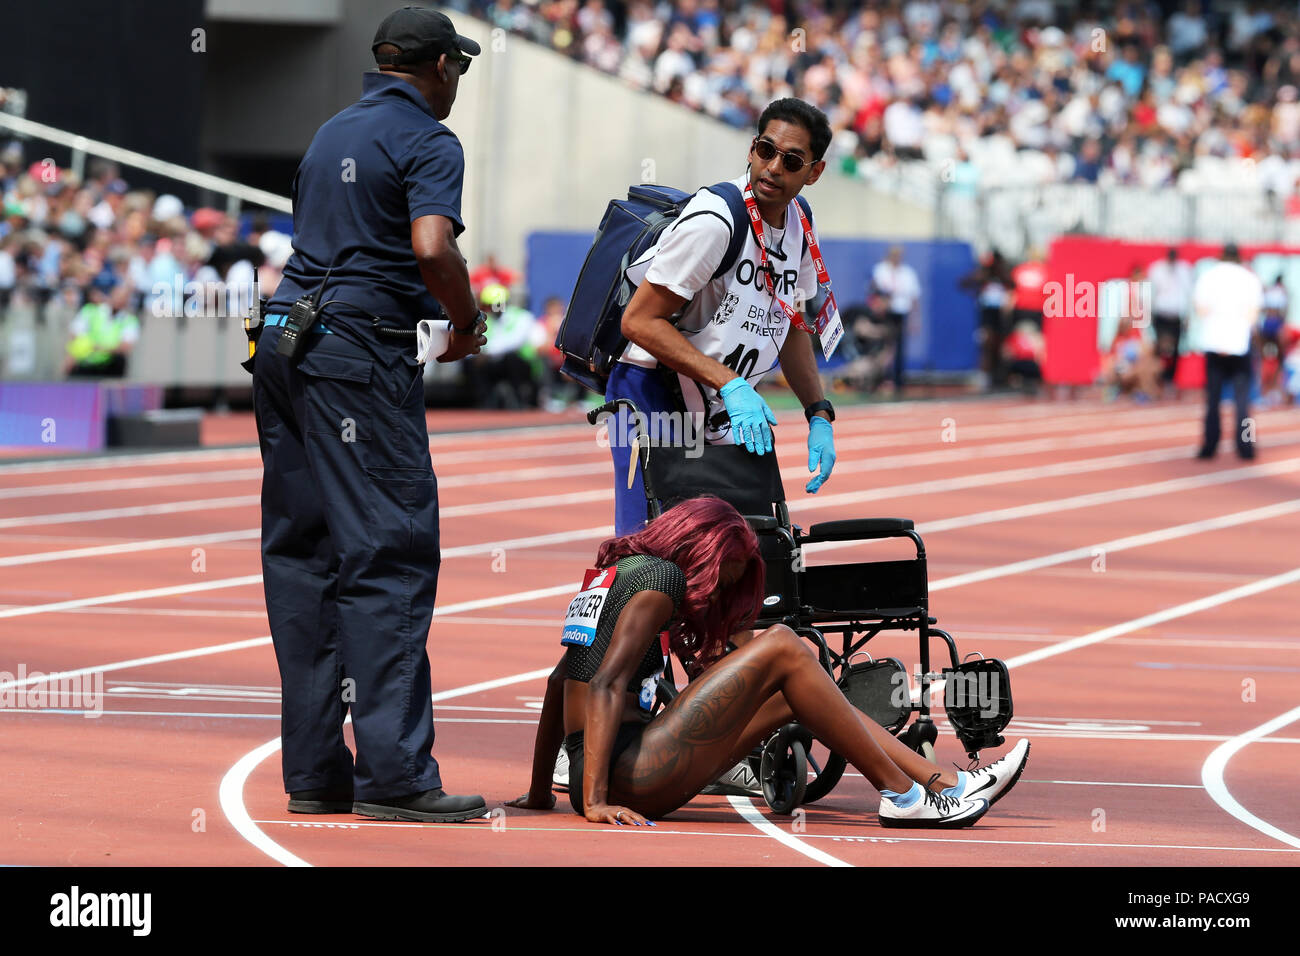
(431, 339)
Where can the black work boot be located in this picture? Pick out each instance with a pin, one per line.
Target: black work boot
(432, 806)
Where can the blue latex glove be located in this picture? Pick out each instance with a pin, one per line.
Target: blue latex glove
(750, 416)
(821, 452)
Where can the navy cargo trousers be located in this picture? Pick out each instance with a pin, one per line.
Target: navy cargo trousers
(350, 562)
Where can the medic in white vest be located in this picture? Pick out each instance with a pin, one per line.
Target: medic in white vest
(722, 336)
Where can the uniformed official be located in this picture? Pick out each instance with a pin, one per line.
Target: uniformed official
(350, 549)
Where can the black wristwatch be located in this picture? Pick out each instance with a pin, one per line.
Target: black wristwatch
(822, 406)
(473, 325)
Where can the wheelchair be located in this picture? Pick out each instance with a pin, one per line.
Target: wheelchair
(839, 608)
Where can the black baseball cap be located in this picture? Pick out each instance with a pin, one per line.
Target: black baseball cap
(421, 34)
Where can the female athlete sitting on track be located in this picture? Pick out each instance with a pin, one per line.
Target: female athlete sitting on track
(696, 570)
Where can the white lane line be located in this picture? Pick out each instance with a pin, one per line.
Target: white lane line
(447, 610)
(1113, 783)
(231, 791)
(1212, 777)
(130, 547)
(870, 416)
(633, 833)
(131, 596)
(1102, 846)
(132, 484)
(1120, 544)
(136, 511)
(137, 662)
(746, 809)
(906, 490)
(1159, 617)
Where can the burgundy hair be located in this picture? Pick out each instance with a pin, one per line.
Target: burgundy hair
(698, 535)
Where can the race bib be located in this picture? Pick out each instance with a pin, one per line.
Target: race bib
(584, 610)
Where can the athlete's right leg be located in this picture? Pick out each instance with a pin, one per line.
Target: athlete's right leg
(714, 719)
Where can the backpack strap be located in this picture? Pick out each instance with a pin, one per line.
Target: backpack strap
(729, 192)
(739, 214)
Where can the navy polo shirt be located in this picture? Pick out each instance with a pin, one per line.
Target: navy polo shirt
(370, 172)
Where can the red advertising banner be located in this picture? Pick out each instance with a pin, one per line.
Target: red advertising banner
(1078, 267)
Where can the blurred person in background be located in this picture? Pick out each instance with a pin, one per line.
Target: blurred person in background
(993, 286)
(491, 272)
(1022, 357)
(1227, 299)
(896, 280)
(507, 373)
(1030, 281)
(1131, 366)
(1272, 324)
(1171, 295)
(558, 391)
(102, 334)
(868, 344)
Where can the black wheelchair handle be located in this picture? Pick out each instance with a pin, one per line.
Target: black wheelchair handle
(610, 408)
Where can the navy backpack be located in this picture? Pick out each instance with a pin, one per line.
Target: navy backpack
(591, 335)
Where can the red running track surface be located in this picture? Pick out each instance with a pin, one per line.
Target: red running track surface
(1144, 600)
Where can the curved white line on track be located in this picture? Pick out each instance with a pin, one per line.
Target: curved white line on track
(231, 791)
(746, 809)
(1212, 777)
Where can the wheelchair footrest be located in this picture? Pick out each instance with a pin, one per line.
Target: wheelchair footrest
(977, 699)
(880, 690)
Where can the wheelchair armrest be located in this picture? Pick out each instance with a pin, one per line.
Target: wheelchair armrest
(762, 522)
(854, 529)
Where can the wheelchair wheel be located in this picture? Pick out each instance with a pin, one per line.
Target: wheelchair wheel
(783, 769)
(824, 777)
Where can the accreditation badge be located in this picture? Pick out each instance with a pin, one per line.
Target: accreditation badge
(830, 328)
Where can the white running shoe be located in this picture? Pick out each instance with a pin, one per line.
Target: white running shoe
(739, 781)
(560, 778)
(933, 811)
(992, 782)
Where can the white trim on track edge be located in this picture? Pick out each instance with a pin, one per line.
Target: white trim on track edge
(1212, 777)
(231, 792)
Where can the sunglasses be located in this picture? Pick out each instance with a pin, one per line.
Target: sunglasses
(461, 60)
(765, 150)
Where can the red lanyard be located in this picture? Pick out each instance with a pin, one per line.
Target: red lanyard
(823, 278)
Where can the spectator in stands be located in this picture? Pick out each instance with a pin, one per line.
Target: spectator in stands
(1171, 295)
(1227, 299)
(896, 280)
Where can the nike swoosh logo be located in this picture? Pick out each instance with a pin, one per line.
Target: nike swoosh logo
(991, 782)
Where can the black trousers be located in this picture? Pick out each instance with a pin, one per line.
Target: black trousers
(1220, 369)
(350, 563)
(1168, 329)
(898, 321)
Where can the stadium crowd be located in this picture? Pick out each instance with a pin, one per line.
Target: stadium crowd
(1193, 92)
